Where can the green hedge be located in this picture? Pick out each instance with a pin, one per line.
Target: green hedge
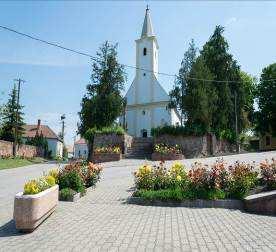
(89, 134)
(177, 131)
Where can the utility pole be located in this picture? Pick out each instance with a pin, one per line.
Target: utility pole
(62, 132)
(15, 142)
(236, 124)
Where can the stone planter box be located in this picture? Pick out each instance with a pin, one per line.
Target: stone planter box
(198, 203)
(264, 203)
(106, 157)
(31, 210)
(155, 156)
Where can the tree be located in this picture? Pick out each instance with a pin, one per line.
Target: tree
(223, 67)
(40, 141)
(180, 84)
(12, 119)
(199, 98)
(103, 102)
(266, 99)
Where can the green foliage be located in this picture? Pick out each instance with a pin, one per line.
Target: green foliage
(266, 98)
(66, 194)
(186, 130)
(89, 134)
(71, 180)
(38, 185)
(103, 102)
(180, 84)
(40, 141)
(11, 119)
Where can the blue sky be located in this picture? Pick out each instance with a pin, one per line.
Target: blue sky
(56, 80)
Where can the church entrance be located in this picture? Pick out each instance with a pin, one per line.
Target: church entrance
(144, 133)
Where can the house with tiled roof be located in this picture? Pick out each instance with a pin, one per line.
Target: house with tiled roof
(55, 144)
(81, 149)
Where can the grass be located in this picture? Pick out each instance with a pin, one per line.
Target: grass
(18, 162)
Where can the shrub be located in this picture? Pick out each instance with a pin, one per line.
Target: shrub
(144, 177)
(268, 173)
(42, 184)
(241, 179)
(160, 178)
(218, 176)
(92, 174)
(178, 175)
(166, 149)
(199, 176)
(54, 174)
(31, 187)
(177, 131)
(66, 194)
(50, 180)
(108, 149)
(71, 179)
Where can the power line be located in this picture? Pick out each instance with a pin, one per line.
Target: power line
(125, 65)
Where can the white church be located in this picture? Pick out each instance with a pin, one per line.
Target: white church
(147, 101)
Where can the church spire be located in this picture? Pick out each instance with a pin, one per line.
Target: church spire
(147, 26)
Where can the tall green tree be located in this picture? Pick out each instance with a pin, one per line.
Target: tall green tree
(199, 98)
(266, 99)
(12, 117)
(223, 67)
(103, 101)
(180, 84)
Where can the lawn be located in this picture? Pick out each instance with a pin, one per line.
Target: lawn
(18, 162)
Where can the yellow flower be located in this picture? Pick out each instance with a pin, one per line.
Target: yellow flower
(178, 178)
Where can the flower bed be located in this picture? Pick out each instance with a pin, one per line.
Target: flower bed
(166, 152)
(106, 154)
(216, 182)
(36, 203)
(75, 178)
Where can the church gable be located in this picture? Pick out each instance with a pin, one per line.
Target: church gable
(159, 92)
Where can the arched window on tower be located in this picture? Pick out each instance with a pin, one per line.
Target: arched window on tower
(145, 51)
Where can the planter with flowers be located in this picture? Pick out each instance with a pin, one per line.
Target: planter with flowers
(166, 152)
(106, 154)
(76, 178)
(36, 203)
(218, 185)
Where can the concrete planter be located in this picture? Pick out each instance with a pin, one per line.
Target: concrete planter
(263, 203)
(106, 157)
(198, 203)
(31, 210)
(168, 156)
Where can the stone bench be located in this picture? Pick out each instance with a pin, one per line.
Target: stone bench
(264, 203)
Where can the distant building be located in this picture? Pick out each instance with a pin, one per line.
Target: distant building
(267, 142)
(147, 101)
(70, 151)
(80, 149)
(55, 144)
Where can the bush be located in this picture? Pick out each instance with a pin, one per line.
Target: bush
(177, 131)
(268, 172)
(71, 180)
(144, 177)
(31, 187)
(242, 178)
(166, 149)
(50, 180)
(66, 194)
(54, 174)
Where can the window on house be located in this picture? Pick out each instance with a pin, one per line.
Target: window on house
(144, 74)
(145, 51)
(267, 140)
(143, 112)
(84, 152)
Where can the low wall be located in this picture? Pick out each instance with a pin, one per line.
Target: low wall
(192, 146)
(23, 150)
(123, 141)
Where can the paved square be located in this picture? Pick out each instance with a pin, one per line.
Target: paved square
(103, 221)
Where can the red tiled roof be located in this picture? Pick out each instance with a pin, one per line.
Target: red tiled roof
(30, 131)
(81, 141)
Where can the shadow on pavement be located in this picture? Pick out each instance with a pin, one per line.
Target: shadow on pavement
(9, 229)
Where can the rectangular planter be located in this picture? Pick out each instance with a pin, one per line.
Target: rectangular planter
(31, 210)
(155, 156)
(106, 157)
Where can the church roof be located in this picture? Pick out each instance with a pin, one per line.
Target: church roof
(147, 30)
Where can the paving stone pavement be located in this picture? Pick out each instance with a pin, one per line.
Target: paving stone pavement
(103, 221)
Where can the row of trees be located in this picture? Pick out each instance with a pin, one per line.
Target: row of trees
(211, 92)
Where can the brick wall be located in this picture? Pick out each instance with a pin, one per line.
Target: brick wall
(23, 150)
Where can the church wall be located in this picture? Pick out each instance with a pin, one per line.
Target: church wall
(161, 116)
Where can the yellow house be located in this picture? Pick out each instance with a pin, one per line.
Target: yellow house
(267, 142)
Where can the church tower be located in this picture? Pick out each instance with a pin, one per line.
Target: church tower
(147, 101)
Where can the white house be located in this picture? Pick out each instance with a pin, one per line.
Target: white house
(147, 101)
(80, 149)
(55, 144)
